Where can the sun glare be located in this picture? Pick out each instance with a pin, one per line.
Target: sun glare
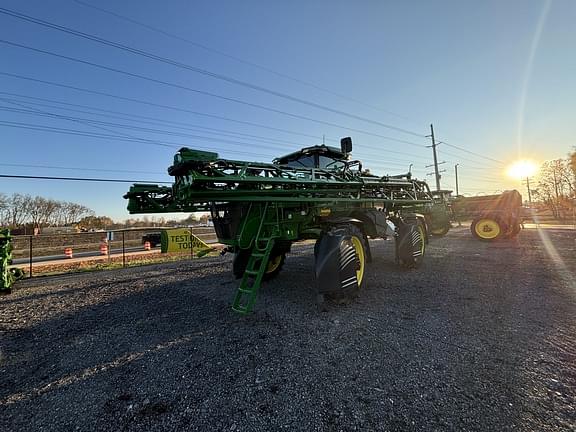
(522, 169)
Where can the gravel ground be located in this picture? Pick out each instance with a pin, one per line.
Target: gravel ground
(482, 337)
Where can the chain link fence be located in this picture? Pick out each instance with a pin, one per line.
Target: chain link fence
(69, 252)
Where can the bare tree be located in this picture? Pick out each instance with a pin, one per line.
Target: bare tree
(72, 213)
(18, 210)
(4, 206)
(555, 187)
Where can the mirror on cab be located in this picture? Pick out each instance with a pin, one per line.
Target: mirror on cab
(346, 145)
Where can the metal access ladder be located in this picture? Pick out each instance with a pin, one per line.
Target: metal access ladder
(258, 262)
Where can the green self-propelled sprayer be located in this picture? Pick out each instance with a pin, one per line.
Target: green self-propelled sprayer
(317, 193)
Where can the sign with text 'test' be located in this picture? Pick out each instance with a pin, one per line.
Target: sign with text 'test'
(180, 240)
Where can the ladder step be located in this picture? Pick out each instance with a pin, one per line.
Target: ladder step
(240, 309)
(251, 272)
(245, 291)
(258, 254)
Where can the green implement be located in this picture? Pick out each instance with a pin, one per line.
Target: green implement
(494, 217)
(318, 193)
(7, 275)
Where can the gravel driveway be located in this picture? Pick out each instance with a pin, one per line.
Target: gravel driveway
(482, 337)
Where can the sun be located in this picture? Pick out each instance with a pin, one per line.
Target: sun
(522, 169)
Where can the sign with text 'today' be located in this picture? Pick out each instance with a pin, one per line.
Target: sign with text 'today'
(180, 240)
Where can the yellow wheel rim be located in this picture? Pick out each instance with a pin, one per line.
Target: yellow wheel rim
(359, 249)
(274, 263)
(422, 239)
(487, 229)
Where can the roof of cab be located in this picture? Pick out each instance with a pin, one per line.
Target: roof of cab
(325, 150)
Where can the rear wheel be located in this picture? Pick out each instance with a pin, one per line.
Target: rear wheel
(411, 244)
(487, 228)
(275, 263)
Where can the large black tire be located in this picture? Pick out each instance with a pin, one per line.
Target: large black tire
(487, 228)
(411, 244)
(241, 258)
(355, 242)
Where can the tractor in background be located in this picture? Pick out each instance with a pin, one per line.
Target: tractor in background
(493, 216)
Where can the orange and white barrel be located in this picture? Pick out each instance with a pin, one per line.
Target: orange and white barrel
(68, 252)
(103, 248)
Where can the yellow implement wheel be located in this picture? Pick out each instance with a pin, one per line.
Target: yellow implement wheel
(486, 229)
(359, 249)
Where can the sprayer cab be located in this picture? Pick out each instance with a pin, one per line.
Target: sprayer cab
(319, 156)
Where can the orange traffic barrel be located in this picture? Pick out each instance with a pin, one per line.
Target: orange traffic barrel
(103, 248)
(68, 252)
(147, 245)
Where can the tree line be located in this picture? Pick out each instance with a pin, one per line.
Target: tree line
(19, 210)
(24, 213)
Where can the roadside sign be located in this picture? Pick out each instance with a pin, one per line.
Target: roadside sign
(110, 235)
(180, 240)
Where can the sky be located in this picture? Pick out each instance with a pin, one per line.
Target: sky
(253, 80)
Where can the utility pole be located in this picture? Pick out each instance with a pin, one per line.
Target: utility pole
(456, 172)
(529, 194)
(434, 145)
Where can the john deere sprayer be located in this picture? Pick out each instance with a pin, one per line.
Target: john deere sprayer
(318, 193)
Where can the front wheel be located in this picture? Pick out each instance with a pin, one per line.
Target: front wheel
(411, 244)
(341, 257)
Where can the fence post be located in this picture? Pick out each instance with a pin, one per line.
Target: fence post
(123, 251)
(30, 256)
(191, 245)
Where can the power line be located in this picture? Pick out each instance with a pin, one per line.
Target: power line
(146, 119)
(139, 101)
(201, 71)
(80, 179)
(158, 131)
(77, 168)
(207, 73)
(378, 164)
(473, 153)
(80, 121)
(476, 161)
(148, 103)
(238, 59)
(199, 91)
(74, 132)
(141, 129)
